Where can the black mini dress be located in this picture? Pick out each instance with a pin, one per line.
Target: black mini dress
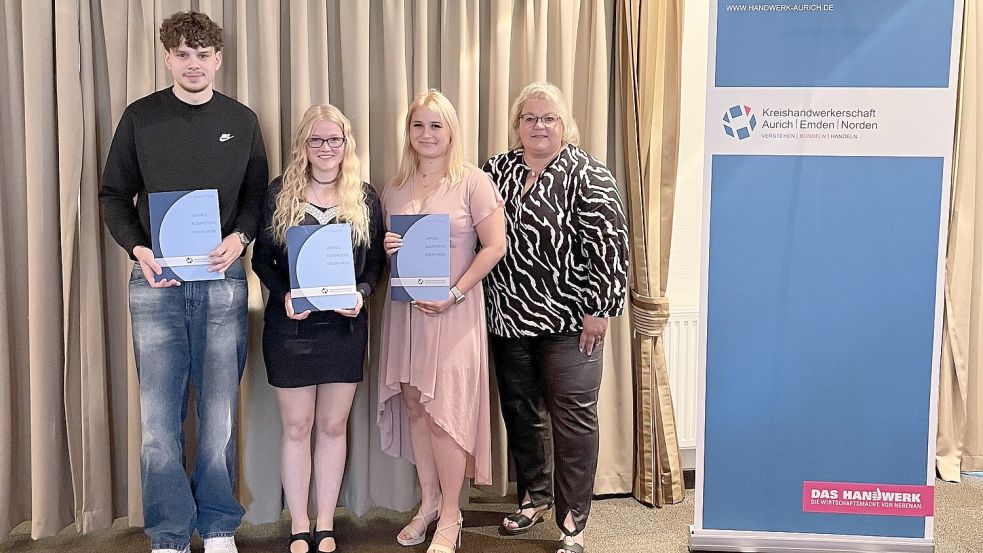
(325, 347)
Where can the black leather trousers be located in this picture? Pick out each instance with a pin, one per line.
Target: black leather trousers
(545, 381)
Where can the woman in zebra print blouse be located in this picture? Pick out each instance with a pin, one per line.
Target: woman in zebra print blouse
(548, 303)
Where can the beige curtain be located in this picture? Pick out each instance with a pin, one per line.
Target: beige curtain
(649, 48)
(960, 435)
(69, 420)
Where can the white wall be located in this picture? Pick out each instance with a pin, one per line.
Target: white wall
(683, 288)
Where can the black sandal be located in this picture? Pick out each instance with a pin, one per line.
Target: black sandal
(301, 536)
(567, 545)
(321, 535)
(524, 523)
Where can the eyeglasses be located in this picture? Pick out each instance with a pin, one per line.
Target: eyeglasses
(334, 142)
(549, 120)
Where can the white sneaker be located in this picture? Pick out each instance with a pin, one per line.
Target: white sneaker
(224, 544)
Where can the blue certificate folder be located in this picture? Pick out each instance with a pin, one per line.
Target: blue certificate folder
(185, 226)
(421, 268)
(322, 267)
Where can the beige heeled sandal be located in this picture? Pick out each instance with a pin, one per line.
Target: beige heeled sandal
(417, 539)
(438, 548)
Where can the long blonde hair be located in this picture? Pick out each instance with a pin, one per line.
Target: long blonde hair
(436, 102)
(544, 91)
(292, 200)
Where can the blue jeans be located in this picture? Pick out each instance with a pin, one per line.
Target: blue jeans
(196, 332)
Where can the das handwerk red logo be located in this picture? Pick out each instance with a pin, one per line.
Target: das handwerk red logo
(868, 499)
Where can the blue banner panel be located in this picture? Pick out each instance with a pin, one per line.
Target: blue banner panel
(821, 310)
(837, 43)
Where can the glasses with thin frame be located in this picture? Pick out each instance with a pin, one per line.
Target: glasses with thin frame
(529, 120)
(334, 141)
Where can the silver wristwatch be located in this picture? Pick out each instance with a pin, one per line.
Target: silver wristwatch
(243, 238)
(458, 295)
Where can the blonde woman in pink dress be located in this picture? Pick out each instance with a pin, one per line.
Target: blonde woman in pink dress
(433, 371)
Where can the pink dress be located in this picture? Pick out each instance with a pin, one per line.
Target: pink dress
(447, 357)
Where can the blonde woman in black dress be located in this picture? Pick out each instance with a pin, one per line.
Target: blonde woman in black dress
(314, 359)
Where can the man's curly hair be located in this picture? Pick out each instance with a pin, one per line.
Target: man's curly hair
(197, 30)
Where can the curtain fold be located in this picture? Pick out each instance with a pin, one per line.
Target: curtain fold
(649, 42)
(47, 289)
(959, 444)
(14, 429)
(496, 58)
(86, 381)
(69, 404)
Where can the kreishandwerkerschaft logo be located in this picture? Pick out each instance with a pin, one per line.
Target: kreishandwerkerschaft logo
(739, 122)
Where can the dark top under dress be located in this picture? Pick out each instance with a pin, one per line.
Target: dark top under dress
(325, 347)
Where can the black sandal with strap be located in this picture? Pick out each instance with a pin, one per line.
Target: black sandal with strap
(524, 523)
(321, 535)
(567, 545)
(300, 536)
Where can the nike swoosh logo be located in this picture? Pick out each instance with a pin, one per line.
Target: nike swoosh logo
(225, 137)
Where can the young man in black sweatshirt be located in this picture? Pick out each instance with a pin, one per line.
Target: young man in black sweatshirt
(188, 137)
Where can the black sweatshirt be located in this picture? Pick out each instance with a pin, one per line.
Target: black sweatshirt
(163, 144)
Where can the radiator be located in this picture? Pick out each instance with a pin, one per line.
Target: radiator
(682, 342)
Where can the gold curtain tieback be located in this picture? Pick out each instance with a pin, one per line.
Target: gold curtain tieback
(649, 314)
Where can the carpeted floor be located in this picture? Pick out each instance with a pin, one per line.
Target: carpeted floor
(617, 525)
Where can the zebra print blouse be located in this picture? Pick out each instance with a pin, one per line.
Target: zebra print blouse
(567, 250)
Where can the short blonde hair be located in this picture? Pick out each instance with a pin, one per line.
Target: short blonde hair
(544, 91)
(436, 102)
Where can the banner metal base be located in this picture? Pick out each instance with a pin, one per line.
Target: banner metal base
(782, 542)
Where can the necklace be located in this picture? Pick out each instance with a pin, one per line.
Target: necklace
(531, 179)
(324, 183)
(536, 172)
(320, 200)
(419, 203)
(426, 177)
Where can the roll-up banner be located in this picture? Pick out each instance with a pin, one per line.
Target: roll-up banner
(829, 138)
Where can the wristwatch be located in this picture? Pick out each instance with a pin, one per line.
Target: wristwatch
(458, 295)
(243, 238)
